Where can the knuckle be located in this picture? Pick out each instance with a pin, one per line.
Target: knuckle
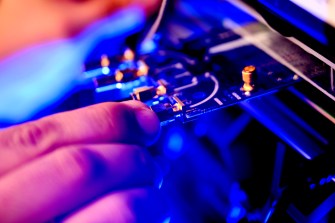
(29, 135)
(33, 134)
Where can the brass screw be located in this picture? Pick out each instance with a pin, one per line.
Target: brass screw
(248, 76)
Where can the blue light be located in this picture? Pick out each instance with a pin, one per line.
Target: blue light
(123, 66)
(268, 215)
(148, 46)
(105, 70)
(167, 220)
(235, 212)
(136, 83)
(160, 184)
(201, 128)
(174, 146)
(175, 142)
(236, 197)
(105, 88)
(119, 85)
(92, 73)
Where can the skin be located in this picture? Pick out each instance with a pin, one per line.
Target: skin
(89, 164)
(75, 162)
(23, 24)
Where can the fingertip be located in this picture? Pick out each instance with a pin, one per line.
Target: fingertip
(146, 119)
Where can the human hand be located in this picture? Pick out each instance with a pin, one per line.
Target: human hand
(86, 165)
(44, 43)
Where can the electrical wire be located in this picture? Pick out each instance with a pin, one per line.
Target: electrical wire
(157, 22)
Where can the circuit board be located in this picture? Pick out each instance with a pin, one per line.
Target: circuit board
(208, 73)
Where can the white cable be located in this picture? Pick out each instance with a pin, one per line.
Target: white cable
(157, 22)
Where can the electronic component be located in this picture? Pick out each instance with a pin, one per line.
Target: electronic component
(248, 77)
(164, 112)
(167, 80)
(144, 94)
(182, 86)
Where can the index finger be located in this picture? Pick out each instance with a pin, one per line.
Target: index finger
(130, 122)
